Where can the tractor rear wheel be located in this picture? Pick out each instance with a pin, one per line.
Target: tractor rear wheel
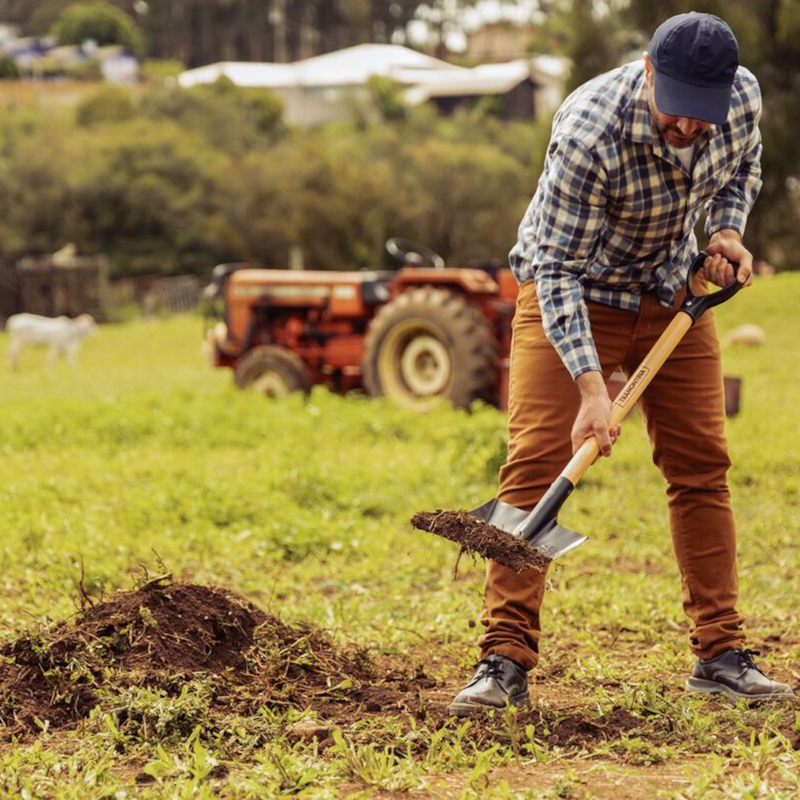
(273, 371)
(430, 345)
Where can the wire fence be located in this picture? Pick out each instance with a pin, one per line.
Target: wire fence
(155, 295)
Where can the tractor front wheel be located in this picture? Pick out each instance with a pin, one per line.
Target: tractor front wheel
(273, 371)
(430, 345)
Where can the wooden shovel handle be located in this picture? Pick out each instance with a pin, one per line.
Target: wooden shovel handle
(631, 392)
(691, 309)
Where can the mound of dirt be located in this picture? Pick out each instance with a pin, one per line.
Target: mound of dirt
(478, 537)
(179, 627)
(160, 633)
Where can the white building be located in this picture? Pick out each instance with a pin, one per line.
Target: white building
(527, 87)
(333, 86)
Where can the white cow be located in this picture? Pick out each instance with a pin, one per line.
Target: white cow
(749, 334)
(59, 334)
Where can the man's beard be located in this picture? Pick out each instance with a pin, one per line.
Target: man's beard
(671, 132)
(673, 135)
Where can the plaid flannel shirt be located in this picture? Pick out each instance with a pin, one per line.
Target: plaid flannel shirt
(614, 212)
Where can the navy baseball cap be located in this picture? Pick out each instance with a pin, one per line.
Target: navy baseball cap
(695, 58)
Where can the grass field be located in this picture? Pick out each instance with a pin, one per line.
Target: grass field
(146, 461)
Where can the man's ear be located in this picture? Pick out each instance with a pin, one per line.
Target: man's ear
(647, 65)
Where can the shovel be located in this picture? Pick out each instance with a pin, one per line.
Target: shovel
(539, 528)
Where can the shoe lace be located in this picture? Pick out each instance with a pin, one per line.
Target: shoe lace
(494, 668)
(745, 659)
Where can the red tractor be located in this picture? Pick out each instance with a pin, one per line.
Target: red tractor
(418, 335)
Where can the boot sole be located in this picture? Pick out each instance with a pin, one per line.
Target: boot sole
(520, 700)
(701, 686)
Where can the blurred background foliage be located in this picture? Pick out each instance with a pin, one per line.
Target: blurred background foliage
(176, 180)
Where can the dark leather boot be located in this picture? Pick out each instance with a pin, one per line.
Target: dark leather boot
(499, 681)
(735, 673)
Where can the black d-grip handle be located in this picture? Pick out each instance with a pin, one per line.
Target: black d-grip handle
(695, 305)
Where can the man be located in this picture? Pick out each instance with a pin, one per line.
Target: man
(636, 156)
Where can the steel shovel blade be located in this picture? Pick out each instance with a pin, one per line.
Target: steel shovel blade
(552, 540)
(500, 514)
(555, 540)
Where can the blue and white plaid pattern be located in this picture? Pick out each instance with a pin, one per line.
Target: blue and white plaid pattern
(614, 212)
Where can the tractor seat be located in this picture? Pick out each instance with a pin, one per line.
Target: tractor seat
(375, 287)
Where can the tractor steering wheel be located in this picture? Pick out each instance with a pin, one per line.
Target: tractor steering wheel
(413, 254)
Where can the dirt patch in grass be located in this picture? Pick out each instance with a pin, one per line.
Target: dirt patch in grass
(164, 635)
(581, 729)
(553, 727)
(237, 659)
(597, 778)
(478, 537)
(159, 636)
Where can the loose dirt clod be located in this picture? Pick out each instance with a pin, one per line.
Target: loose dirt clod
(308, 729)
(476, 536)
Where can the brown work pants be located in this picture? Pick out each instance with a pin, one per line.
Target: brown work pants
(684, 411)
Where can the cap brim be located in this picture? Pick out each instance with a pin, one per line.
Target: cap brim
(678, 99)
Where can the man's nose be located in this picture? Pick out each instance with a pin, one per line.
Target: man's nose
(688, 126)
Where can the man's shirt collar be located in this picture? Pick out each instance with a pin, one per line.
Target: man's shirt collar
(640, 127)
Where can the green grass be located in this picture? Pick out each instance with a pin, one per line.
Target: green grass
(146, 458)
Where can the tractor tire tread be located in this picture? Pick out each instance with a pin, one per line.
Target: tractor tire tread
(289, 363)
(464, 323)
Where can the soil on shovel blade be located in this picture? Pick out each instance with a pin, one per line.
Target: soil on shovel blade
(476, 536)
(161, 636)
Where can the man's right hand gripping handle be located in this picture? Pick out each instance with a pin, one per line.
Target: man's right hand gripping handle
(594, 414)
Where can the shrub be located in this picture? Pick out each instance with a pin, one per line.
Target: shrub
(8, 68)
(157, 70)
(231, 119)
(387, 96)
(100, 22)
(106, 104)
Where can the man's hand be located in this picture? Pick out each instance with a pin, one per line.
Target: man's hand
(725, 246)
(594, 414)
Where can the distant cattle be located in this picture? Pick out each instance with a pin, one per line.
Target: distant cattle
(59, 335)
(749, 334)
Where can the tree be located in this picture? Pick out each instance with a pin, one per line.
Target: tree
(150, 197)
(586, 33)
(100, 22)
(468, 198)
(35, 19)
(444, 17)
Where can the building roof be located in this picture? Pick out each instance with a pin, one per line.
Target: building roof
(354, 65)
(242, 73)
(553, 67)
(351, 66)
(487, 79)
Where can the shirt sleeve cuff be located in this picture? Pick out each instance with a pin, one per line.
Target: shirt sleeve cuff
(732, 216)
(580, 358)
